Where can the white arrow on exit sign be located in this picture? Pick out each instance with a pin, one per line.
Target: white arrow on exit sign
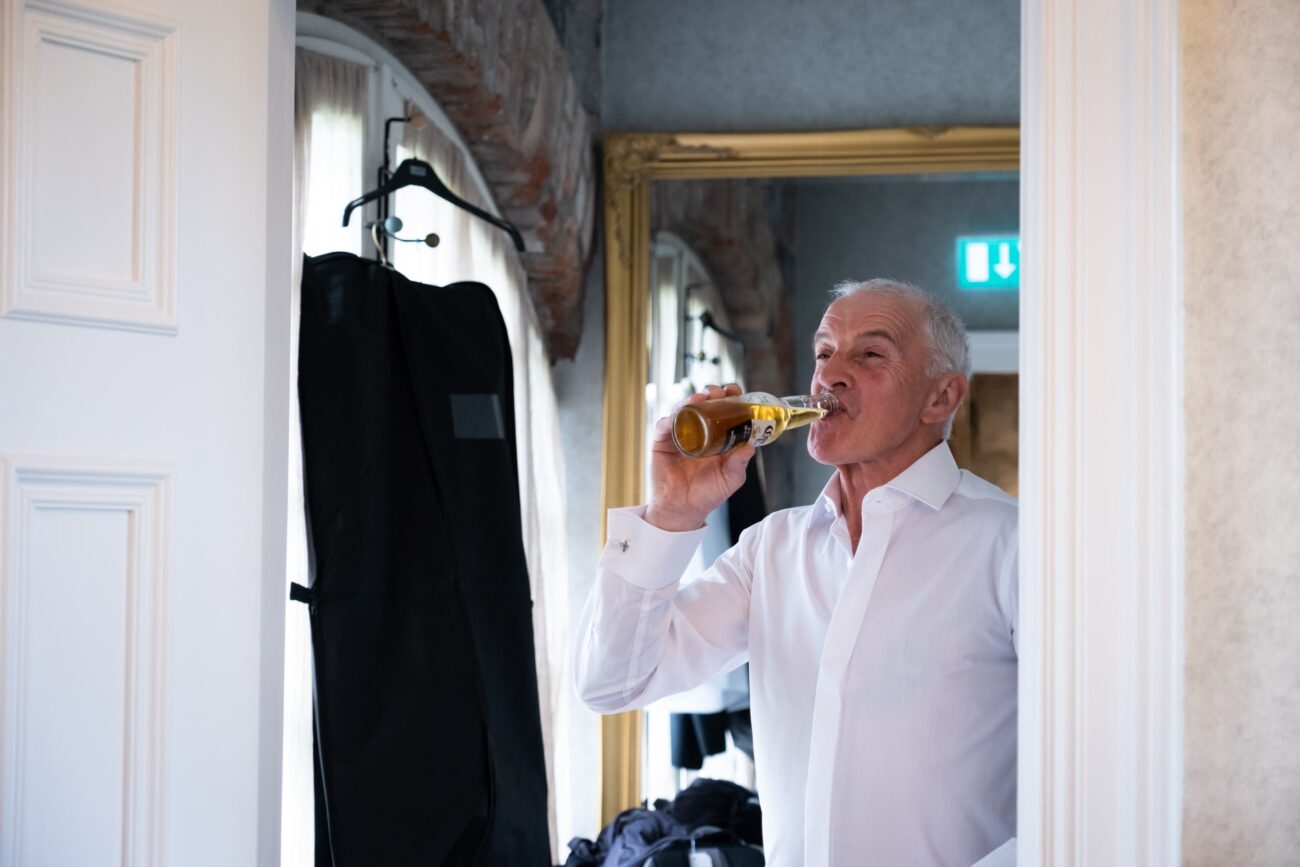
(1004, 268)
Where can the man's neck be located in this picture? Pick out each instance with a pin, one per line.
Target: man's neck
(857, 480)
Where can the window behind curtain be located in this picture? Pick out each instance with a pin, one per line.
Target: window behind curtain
(330, 97)
(333, 179)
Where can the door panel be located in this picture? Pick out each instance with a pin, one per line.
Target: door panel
(140, 444)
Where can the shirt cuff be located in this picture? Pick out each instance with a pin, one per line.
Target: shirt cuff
(642, 554)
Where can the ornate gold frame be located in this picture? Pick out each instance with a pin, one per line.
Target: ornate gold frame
(632, 161)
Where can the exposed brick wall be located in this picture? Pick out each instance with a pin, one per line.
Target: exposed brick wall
(499, 72)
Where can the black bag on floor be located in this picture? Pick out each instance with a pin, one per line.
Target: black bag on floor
(716, 818)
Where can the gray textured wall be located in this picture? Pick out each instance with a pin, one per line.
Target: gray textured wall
(904, 229)
(1241, 118)
(578, 24)
(816, 64)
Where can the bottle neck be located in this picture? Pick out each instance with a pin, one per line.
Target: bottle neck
(826, 401)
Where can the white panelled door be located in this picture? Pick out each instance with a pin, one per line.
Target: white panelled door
(144, 285)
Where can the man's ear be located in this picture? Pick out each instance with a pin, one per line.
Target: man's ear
(948, 393)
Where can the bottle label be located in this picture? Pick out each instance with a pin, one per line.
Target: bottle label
(757, 432)
(761, 431)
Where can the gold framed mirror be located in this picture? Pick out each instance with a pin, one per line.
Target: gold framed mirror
(633, 161)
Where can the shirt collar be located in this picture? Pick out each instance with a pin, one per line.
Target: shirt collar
(931, 479)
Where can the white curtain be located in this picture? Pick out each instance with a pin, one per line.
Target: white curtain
(473, 249)
(329, 116)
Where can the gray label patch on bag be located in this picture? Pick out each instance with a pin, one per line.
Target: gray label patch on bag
(477, 417)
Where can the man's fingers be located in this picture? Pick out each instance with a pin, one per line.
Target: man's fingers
(710, 392)
(743, 453)
(739, 459)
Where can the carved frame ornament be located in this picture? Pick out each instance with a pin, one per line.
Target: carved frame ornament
(632, 162)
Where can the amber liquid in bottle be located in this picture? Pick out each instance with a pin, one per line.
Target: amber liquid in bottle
(714, 427)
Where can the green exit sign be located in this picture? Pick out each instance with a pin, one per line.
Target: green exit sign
(988, 262)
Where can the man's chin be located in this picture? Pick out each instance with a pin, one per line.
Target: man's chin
(821, 453)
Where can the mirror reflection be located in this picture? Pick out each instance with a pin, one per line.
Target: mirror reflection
(740, 276)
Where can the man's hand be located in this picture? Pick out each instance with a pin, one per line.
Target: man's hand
(683, 491)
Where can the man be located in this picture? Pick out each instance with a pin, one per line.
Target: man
(879, 623)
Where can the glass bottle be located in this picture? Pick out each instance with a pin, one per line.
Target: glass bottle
(714, 427)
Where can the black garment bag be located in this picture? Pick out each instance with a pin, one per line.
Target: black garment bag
(429, 748)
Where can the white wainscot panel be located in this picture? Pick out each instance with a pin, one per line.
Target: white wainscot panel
(82, 590)
(89, 193)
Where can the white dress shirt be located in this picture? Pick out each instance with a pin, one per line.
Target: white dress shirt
(883, 682)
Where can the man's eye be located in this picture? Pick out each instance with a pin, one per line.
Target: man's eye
(822, 356)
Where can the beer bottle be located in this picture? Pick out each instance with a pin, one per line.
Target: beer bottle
(713, 427)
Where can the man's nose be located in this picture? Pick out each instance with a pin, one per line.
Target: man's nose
(830, 375)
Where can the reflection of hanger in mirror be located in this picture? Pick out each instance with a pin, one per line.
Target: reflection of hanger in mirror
(707, 320)
(418, 173)
(706, 317)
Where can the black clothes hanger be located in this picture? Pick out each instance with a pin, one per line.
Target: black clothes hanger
(418, 173)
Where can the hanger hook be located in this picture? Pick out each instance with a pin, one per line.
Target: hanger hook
(379, 245)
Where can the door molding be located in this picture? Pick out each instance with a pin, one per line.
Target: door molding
(126, 279)
(1101, 427)
(278, 373)
(37, 491)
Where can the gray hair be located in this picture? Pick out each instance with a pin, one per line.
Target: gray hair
(949, 346)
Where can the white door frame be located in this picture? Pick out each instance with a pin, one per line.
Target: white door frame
(278, 382)
(1101, 427)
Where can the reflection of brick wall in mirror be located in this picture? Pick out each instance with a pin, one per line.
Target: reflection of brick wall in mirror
(986, 431)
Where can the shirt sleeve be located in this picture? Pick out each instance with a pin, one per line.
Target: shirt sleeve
(643, 634)
(1009, 589)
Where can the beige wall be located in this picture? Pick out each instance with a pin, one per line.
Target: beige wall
(1241, 139)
